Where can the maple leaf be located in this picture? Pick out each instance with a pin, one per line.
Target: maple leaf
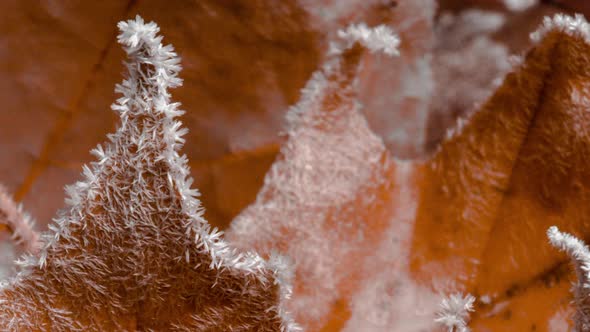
(132, 250)
(414, 229)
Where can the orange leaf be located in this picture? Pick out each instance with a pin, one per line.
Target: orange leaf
(476, 213)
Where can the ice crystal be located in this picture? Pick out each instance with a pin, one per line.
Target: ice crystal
(573, 25)
(132, 250)
(378, 39)
(580, 256)
(454, 312)
(19, 223)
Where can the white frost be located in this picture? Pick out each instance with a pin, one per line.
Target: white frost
(454, 312)
(377, 39)
(576, 26)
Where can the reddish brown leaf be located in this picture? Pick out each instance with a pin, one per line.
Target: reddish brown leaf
(131, 251)
(484, 201)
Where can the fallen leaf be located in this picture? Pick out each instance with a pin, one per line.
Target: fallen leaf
(319, 196)
(475, 214)
(132, 251)
(60, 62)
(525, 126)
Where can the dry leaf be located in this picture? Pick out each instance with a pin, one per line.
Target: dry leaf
(132, 251)
(531, 132)
(476, 212)
(60, 62)
(319, 195)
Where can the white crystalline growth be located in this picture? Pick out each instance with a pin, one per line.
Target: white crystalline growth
(377, 39)
(580, 256)
(576, 249)
(133, 238)
(454, 312)
(573, 25)
(18, 222)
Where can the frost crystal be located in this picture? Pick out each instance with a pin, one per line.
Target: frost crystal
(132, 250)
(454, 312)
(580, 256)
(574, 26)
(18, 223)
(378, 39)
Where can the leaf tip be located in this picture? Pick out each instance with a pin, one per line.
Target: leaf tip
(378, 39)
(572, 25)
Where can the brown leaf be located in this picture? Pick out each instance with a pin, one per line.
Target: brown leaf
(530, 134)
(482, 204)
(132, 251)
(518, 167)
(266, 62)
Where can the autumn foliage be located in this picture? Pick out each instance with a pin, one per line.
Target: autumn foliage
(422, 179)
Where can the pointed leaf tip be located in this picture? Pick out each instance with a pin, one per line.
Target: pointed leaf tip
(134, 31)
(134, 222)
(572, 25)
(378, 39)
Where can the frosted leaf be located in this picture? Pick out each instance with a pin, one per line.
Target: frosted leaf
(316, 199)
(572, 25)
(580, 256)
(132, 248)
(395, 91)
(388, 298)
